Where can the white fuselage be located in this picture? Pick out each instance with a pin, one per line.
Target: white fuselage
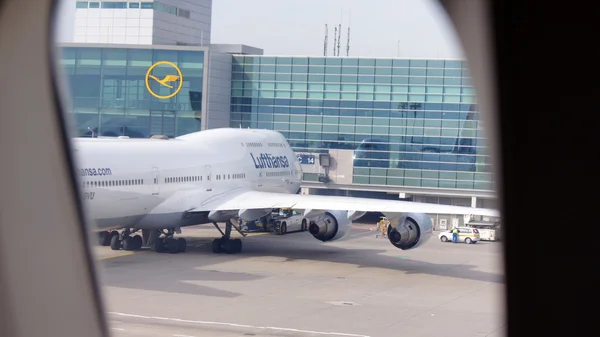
(126, 182)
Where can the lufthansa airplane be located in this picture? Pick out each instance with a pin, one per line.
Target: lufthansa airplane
(229, 175)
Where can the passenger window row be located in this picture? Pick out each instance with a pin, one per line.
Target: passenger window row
(112, 183)
(183, 179)
(252, 144)
(278, 174)
(275, 145)
(231, 176)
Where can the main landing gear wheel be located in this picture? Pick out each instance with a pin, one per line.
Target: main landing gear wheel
(115, 242)
(124, 240)
(304, 226)
(229, 246)
(226, 243)
(132, 242)
(181, 245)
(105, 237)
(170, 244)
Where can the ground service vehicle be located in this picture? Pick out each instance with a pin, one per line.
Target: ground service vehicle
(289, 221)
(465, 234)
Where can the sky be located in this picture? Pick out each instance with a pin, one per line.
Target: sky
(378, 28)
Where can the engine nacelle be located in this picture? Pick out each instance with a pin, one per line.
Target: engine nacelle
(330, 226)
(411, 231)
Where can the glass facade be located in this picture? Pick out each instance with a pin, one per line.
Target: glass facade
(110, 97)
(410, 122)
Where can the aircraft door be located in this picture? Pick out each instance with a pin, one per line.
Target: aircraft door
(155, 189)
(208, 174)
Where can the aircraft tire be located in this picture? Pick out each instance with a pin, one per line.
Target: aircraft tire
(233, 246)
(115, 243)
(181, 245)
(128, 243)
(216, 246)
(137, 242)
(238, 245)
(104, 238)
(172, 246)
(159, 245)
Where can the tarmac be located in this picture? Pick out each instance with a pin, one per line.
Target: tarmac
(295, 285)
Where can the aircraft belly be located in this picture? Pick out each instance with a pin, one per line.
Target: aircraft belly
(170, 220)
(111, 210)
(116, 222)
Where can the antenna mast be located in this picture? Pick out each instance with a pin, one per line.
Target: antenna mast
(339, 39)
(334, 38)
(348, 39)
(325, 44)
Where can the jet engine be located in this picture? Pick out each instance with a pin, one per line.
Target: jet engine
(411, 231)
(331, 225)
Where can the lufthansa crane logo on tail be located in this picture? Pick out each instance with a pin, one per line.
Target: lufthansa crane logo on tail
(166, 80)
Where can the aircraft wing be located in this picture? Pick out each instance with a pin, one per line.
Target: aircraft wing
(249, 199)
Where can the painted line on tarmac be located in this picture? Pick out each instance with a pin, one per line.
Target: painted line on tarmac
(238, 325)
(121, 255)
(256, 234)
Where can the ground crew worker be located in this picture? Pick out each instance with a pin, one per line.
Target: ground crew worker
(455, 235)
(382, 227)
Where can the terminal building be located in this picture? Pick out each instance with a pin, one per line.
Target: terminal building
(371, 127)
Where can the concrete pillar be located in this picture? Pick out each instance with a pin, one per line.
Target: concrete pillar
(402, 195)
(474, 202)
(305, 190)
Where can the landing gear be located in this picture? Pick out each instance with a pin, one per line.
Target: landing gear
(168, 243)
(105, 237)
(226, 243)
(123, 240)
